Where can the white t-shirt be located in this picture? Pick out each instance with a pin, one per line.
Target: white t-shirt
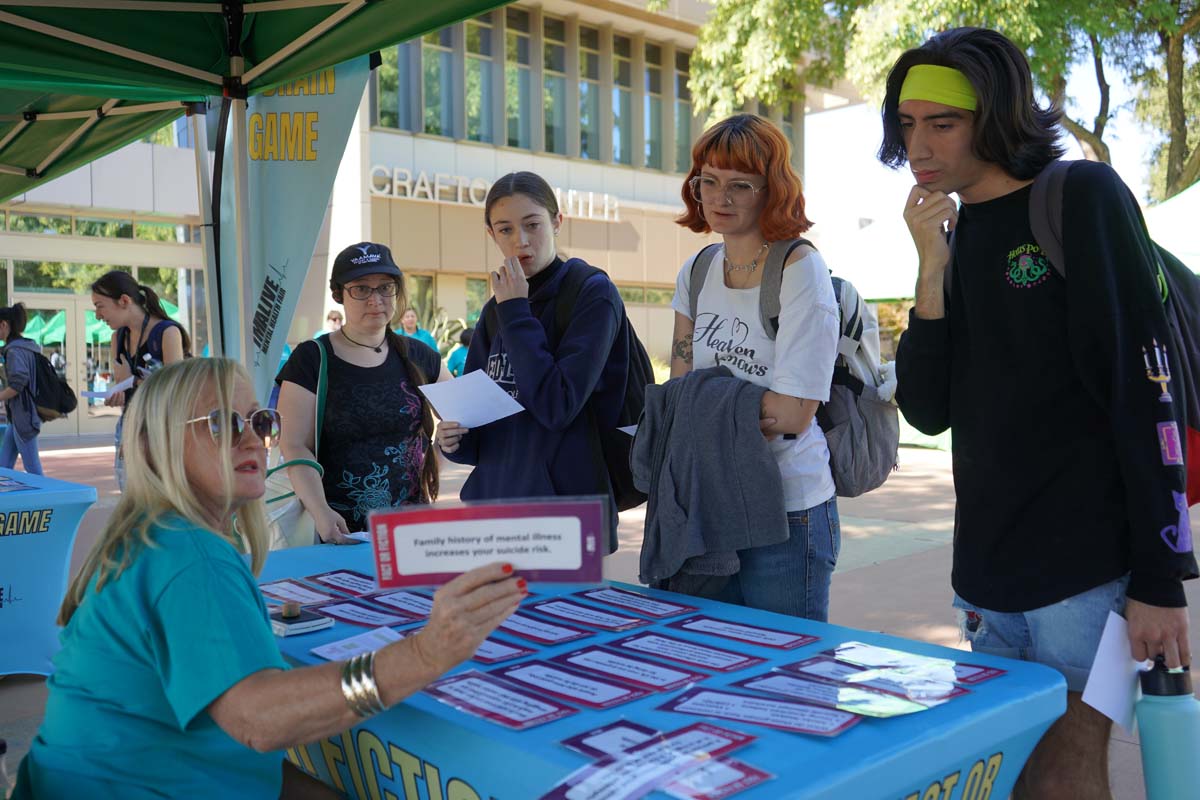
(798, 362)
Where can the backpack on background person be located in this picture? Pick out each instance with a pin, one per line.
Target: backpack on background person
(861, 427)
(53, 397)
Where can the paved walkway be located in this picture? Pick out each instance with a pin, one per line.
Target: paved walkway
(893, 573)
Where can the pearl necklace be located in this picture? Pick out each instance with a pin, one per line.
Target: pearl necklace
(748, 268)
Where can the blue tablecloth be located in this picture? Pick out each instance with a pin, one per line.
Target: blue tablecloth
(970, 748)
(38, 520)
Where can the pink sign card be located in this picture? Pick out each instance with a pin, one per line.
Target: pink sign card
(345, 580)
(684, 651)
(292, 591)
(487, 697)
(784, 715)
(586, 615)
(615, 737)
(650, 606)
(564, 683)
(741, 632)
(541, 631)
(357, 613)
(414, 604)
(717, 779)
(545, 540)
(627, 668)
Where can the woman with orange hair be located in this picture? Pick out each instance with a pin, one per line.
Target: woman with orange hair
(742, 187)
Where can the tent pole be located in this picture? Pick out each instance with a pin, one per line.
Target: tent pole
(241, 206)
(215, 335)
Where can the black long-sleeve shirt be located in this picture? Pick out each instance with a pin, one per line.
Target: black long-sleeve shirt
(1061, 480)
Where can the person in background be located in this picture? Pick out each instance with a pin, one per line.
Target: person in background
(144, 339)
(742, 186)
(410, 328)
(546, 449)
(20, 364)
(333, 321)
(166, 646)
(458, 356)
(376, 432)
(1070, 487)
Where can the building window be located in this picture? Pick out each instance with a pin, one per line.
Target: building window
(683, 114)
(160, 232)
(479, 79)
(517, 81)
(436, 65)
(554, 62)
(589, 92)
(29, 223)
(477, 295)
(394, 85)
(622, 100)
(108, 228)
(3, 282)
(653, 107)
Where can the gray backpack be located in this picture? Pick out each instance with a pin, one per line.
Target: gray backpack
(862, 431)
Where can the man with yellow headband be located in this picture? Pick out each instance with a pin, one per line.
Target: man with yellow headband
(1063, 488)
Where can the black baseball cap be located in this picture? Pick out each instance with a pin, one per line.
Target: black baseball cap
(364, 258)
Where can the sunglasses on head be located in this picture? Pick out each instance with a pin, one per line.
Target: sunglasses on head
(265, 423)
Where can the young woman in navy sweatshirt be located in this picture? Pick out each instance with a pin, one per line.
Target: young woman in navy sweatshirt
(555, 375)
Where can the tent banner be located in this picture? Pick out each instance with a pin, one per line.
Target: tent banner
(296, 135)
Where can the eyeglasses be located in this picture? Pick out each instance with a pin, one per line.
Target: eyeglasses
(265, 423)
(709, 190)
(361, 292)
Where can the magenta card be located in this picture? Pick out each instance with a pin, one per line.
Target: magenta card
(564, 683)
(356, 613)
(487, 697)
(293, 591)
(717, 779)
(541, 631)
(650, 606)
(741, 632)
(345, 580)
(627, 668)
(784, 715)
(546, 540)
(414, 604)
(687, 652)
(586, 615)
(615, 737)
(971, 674)
(922, 689)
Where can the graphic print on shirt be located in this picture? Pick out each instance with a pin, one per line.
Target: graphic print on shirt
(499, 370)
(368, 492)
(1169, 444)
(1027, 267)
(1160, 371)
(1179, 536)
(727, 339)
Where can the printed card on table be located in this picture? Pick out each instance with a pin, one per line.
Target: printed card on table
(345, 580)
(650, 606)
(570, 685)
(541, 631)
(607, 740)
(784, 715)
(414, 604)
(290, 591)
(629, 669)
(485, 696)
(717, 779)
(683, 651)
(357, 645)
(649, 765)
(357, 613)
(922, 689)
(740, 631)
(944, 669)
(546, 540)
(490, 651)
(586, 615)
(855, 699)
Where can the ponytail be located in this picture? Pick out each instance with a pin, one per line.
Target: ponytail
(16, 317)
(429, 464)
(148, 299)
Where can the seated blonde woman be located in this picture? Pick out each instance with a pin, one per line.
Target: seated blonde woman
(169, 682)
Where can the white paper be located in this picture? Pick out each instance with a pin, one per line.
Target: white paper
(289, 590)
(1112, 684)
(362, 536)
(356, 645)
(743, 632)
(636, 601)
(493, 650)
(111, 390)
(350, 612)
(544, 631)
(471, 401)
(629, 429)
(530, 543)
(764, 712)
(570, 685)
(406, 601)
(491, 697)
(616, 740)
(584, 614)
(348, 581)
(684, 651)
(633, 669)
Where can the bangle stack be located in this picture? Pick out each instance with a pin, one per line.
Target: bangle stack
(359, 686)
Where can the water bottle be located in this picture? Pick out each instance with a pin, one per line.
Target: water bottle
(1168, 718)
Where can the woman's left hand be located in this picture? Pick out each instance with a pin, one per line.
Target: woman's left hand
(508, 282)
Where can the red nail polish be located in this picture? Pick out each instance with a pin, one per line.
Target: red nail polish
(521, 584)
(507, 569)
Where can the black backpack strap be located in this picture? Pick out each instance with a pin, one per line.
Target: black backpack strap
(491, 320)
(700, 267)
(948, 275)
(578, 272)
(772, 282)
(1046, 213)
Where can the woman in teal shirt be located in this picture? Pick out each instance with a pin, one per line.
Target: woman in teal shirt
(167, 651)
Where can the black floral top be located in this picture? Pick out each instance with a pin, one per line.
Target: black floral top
(371, 445)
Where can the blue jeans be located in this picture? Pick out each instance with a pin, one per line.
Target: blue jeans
(1063, 635)
(790, 577)
(12, 445)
